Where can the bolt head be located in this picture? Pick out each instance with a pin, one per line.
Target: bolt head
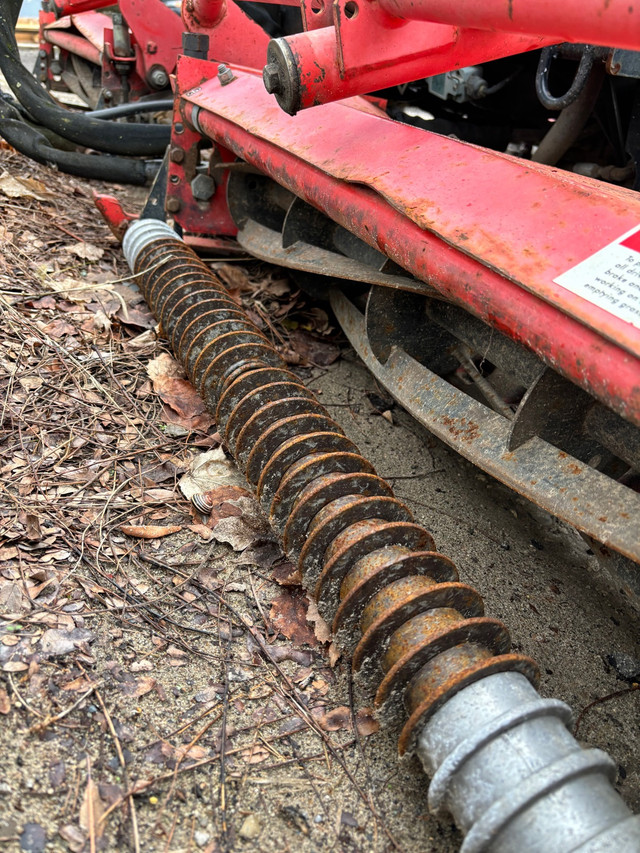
(159, 78)
(225, 74)
(173, 205)
(271, 78)
(176, 155)
(203, 187)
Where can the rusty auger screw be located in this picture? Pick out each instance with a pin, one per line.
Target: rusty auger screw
(359, 551)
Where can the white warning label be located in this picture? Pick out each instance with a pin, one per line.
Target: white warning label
(610, 278)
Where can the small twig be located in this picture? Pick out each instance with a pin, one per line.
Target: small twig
(48, 721)
(22, 700)
(633, 689)
(125, 772)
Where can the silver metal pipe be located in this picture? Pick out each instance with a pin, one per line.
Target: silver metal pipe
(515, 779)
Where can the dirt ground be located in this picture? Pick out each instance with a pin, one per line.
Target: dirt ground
(163, 683)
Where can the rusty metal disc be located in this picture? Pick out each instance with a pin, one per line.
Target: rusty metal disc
(173, 289)
(401, 602)
(199, 358)
(188, 311)
(185, 294)
(305, 471)
(242, 385)
(241, 356)
(337, 517)
(443, 691)
(365, 537)
(255, 453)
(377, 570)
(206, 329)
(322, 492)
(257, 398)
(421, 643)
(208, 334)
(289, 453)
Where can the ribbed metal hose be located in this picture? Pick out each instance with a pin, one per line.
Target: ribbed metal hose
(505, 766)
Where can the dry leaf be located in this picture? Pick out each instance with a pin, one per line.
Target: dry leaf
(164, 365)
(340, 718)
(255, 754)
(24, 188)
(55, 643)
(14, 666)
(320, 627)
(78, 685)
(287, 574)
(335, 654)
(149, 531)
(138, 688)
(192, 753)
(91, 811)
(366, 722)
(289, 615)
(8, 552)
(5, 702)
(86, 251)
(210, 470)
(74, 837)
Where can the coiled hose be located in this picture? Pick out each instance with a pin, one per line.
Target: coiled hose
(503, 761)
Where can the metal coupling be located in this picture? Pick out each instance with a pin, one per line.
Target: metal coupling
(502, 761)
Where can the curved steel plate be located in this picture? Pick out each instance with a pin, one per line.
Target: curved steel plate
(560, 484)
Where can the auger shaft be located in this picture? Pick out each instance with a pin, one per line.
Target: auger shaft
(503, 761)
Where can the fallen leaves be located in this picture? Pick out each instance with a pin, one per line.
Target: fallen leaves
(183, 405)
(91, 812)
(5, 702)
(234, 516)
(86, 251)
(149, 531)
(20, 187)
(289, 615)
(341, 718)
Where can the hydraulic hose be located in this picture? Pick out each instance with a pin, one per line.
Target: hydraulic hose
(127, 139)
(30, 142)
(133, 108)
(571, 121)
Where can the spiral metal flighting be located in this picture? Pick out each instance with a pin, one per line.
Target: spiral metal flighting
(360, 552)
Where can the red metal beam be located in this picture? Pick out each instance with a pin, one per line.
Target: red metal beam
(612, 23)
(320, 157)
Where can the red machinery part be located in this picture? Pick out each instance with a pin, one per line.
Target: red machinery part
(494, 253)
(613, 23)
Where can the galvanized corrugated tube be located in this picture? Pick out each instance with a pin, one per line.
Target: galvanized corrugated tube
(502, 760)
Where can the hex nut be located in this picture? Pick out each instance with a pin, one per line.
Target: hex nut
(203, 187)
(158, 77)
(173, 205)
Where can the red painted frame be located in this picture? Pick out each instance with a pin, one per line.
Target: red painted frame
(449, 227)
(156, 37)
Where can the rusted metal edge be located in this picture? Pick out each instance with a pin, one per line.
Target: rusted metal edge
(266, 244)
(555, 481)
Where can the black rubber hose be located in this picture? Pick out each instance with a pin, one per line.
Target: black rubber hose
(569, 125)
(551, 102)
(27, 140)
(132, 108)
(116, 138)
